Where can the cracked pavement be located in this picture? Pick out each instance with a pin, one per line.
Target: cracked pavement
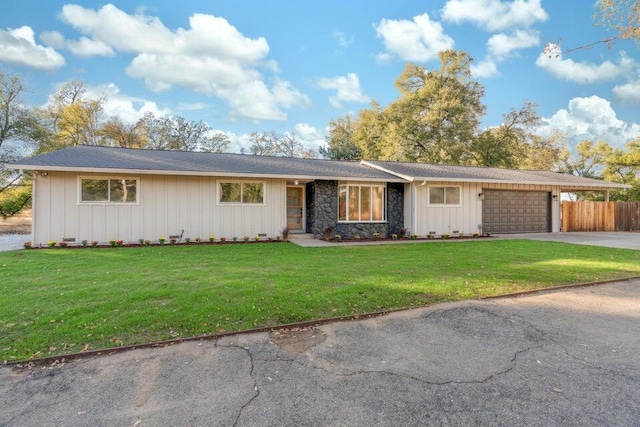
(569, 357)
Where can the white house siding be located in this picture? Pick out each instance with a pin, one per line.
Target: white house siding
(423, 219)
(167, 205)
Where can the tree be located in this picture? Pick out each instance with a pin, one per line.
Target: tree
(114, 132)
(588, 161)
(340, 145)
(16, 124)
(434, 119)
(514, 144)
(623, 16)
(273, 144)
(178, 133)
(624, 166)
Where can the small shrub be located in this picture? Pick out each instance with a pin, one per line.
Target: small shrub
(187, 240)
(212, 239)
(328, 232)
(476, 235)
(172, 241)
(445, 236)
(197, 240)
(119, 243)
(234, 238)
(403, 232)
(245, 239)
(26, 245)
(84, 243)
(223, 239)
(414, 237)
(357, 237)
(147, 242)
(62, 244)
(141, 242)
(161, 240)
(429, 236)
(338, 238)
(394, 236)
(94, 243)
(285, 233)
(278, 238)
(257, 238)
(52, 243)
(377, 236)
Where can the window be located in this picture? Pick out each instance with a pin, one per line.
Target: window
(113, 190)
(361, 203)
(242, 192)
(444, 196)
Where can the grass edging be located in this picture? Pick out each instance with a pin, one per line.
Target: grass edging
(29, 363)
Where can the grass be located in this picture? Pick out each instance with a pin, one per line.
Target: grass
(64, 300)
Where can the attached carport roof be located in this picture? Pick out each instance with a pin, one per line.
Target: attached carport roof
(85, 158)
(450, 173)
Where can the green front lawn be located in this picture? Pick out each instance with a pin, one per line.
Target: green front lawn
(58, 301)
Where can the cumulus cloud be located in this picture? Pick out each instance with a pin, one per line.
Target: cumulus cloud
(495, 15)
(347, 87)
(343, 40)
(629, 92)
(18, 47)
(309, 136)
(501, 47)
(210, 57)
(592, 119)
(128, 108)
(418, 40)
(551, 60)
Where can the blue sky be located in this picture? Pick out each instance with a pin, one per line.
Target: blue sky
(259, 65)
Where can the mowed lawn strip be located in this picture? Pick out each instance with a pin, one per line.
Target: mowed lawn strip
(58, 301)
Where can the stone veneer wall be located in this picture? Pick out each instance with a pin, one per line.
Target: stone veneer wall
(322, 210)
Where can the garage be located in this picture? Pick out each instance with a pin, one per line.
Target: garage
(508, 211)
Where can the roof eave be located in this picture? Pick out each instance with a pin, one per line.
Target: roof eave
(17, 166)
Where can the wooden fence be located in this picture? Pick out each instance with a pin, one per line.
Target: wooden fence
(600, 216)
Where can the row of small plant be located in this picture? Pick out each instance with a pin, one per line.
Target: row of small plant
(171, 241)
(403, 234)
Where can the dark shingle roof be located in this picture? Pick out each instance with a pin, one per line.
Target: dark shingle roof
(88, 158)
(432, 172)
(122, 160)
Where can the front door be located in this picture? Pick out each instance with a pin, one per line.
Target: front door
(295, 209)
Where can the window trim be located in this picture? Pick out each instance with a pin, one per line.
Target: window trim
(445, 204)
(241, 182)
(107, 178)
(359, 185)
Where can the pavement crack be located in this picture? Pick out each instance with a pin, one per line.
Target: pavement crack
(253, 377)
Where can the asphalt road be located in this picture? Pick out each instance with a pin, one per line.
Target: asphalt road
(568, 357)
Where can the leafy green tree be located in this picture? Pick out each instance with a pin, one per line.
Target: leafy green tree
(438, 112)
(624, 166)
(340, 145)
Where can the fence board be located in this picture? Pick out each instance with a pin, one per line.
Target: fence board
(600, 216)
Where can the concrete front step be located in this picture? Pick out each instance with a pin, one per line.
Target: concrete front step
(300, 236)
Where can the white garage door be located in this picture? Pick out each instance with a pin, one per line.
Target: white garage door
(507, 211)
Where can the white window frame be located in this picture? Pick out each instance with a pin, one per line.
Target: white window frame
(108, 178)
(445, 204)
(359, 185)
(241, 182)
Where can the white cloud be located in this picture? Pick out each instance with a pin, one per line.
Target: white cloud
(488, 67)
(53, 39)
(503, 45)
(343, 40)
(18, 47)
(128, 108)
(347, 87)
(591, 119)
(629, 92)
(418, 40)
(210, 57)
(551, 60)
(495, 15)
(309, 136)
(90, 47)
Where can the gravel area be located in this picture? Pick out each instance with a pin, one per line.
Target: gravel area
(11, 242)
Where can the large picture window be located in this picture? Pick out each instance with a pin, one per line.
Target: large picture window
(111, 190)
(361, 203)
(242, 193)
(444, 196)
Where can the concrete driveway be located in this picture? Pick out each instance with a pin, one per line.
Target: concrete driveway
(621, 240)
(559, 358)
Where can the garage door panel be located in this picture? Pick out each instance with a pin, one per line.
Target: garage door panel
(515, 211)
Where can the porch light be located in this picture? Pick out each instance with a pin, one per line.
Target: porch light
(481, 196)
